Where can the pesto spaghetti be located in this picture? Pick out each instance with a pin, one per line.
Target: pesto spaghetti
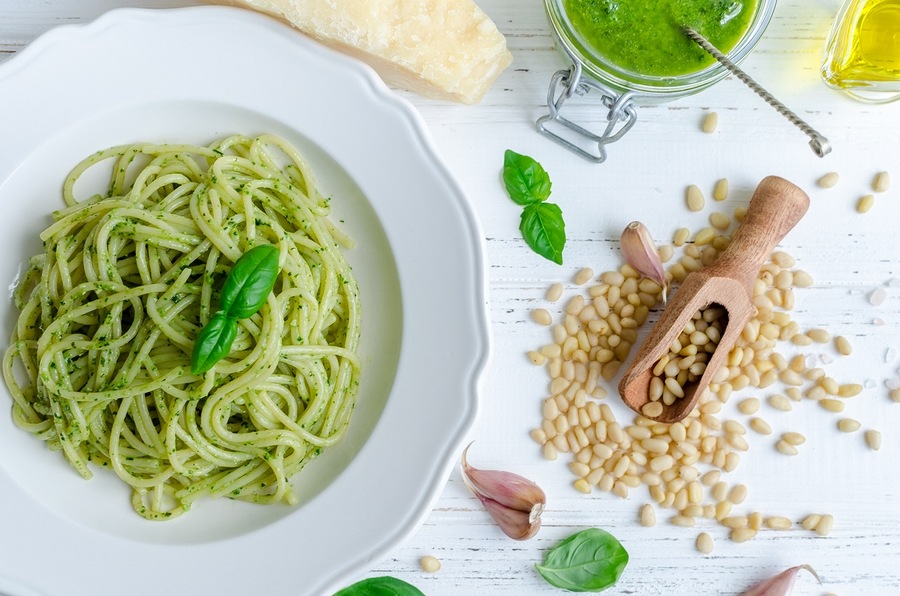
(99, 365)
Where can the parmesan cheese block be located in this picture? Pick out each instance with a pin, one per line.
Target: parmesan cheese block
(439, 48)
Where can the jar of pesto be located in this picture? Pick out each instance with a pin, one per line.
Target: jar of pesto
(634, 52)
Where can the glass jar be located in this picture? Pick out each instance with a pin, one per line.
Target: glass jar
(862, 55)
(621, 89)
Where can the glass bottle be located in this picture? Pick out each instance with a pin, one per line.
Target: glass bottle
(862, 56)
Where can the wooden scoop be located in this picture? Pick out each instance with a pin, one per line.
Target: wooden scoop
(776, 207)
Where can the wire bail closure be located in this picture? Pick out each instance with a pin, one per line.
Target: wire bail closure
(620, 117)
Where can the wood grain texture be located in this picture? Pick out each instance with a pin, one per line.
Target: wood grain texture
(848, 254)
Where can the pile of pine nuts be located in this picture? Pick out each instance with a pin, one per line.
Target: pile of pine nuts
(682, 464)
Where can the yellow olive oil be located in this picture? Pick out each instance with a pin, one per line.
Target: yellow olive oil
(863, 52)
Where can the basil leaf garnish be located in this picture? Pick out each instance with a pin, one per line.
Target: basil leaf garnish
(250, 281)
(526, 180)
(544, 230)
(245, 290)
(589, 561)
(213, 342)
(380, 586)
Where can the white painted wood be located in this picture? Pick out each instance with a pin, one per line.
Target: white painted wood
(847, 253)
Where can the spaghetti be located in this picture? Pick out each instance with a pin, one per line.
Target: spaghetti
(99, 362)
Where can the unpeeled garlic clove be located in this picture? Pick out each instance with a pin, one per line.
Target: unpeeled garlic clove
(781, 584)
(640, 252)
(514, 502)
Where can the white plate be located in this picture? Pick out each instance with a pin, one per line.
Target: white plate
(194, 75)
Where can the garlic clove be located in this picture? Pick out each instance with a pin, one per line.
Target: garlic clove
(641, 254)
(781, 584)
(518, 525)
(514, 502)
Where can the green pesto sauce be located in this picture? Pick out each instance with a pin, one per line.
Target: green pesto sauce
(645, 37)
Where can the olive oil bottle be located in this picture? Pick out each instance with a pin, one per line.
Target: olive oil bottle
(862, 56)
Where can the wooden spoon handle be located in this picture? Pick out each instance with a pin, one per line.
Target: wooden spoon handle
(776, 207)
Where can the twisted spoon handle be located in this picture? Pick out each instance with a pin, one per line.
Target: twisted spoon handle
(819, 144)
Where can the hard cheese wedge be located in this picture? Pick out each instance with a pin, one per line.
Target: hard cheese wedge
(439, 48)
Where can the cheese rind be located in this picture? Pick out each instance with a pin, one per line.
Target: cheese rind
(440, 48)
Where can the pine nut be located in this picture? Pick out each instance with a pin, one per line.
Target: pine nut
(738, 494)
(720, 193)
(778, 523)
(881, 182)
(895, 395)
(811, 521)
(583, 276)
(873, 439)
(786, 448)
(648, 515)
(742, 534)
(683, 521)
(710, 122)
(823, 528)
(832, 405)
(719, 221)
(704, 237)
(541, 316)
(554, 292)
(430, 564)
(793, 438)
(652, 409)
(865, 203)
(829, 180)
(780, 402)
(842, 344)
(760, 426)
(849, 390)
(704, 543)
(694, 197)
(848, 425)
(735, 521)
(681, 236)
(819, 336)
(749, 406)
(802, 279)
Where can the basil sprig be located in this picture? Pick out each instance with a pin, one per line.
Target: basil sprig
(380, 586)
(589, 561)
(542, 225)
(246, 289)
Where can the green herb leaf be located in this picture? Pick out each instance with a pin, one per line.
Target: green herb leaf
(250, 281)
(526, 180)
(589, 561)
(380, 586)
(544, 230)
(213, 342)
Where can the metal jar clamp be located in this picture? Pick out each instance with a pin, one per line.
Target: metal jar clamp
(620, 117)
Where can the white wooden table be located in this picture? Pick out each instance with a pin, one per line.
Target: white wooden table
(644, 179)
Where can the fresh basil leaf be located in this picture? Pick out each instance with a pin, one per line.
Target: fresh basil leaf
(544, 230)
(526, 180)
(380, 586)
(213, 342)
(250, 281)
(589, 561)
